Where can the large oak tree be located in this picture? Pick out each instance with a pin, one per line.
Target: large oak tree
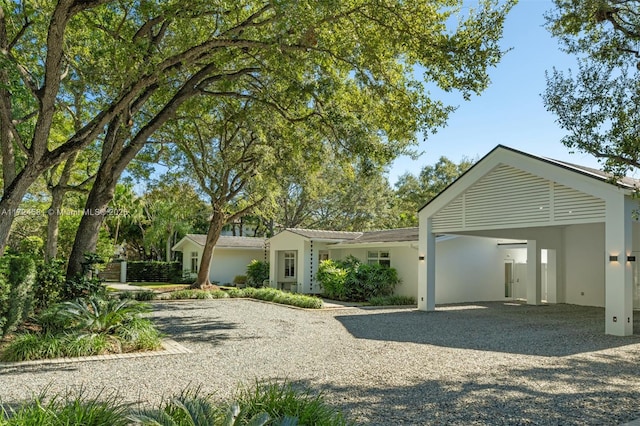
(143, 60)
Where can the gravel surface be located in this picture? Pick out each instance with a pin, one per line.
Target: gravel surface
(487, 363)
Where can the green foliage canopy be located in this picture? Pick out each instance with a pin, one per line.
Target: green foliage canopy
(358, 66)
(598, 103)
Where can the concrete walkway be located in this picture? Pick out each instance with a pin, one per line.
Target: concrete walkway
(125, 287)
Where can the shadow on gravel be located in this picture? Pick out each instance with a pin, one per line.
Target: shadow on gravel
(550, 330)
(578, 392)
(188, 322)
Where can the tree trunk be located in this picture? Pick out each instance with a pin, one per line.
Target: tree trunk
(11, 200)
(168, 247)
(86, 239)
(215, 227)
(53, 224)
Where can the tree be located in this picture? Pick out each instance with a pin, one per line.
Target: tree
(412, 192)
(232, 158)
(143, 60)
(348, 195)
(172, 208)
(599, 105)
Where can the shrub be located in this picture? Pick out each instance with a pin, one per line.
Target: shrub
(32, 246)
(50, 284)
(282, 402)
(267, 294)
(20, 276)
(373, 281)
(86, 327)
(353, 280)
(332, 277)
(392, 300)
(82, 286)
(257, 273)
(240, 280)
(141, 296)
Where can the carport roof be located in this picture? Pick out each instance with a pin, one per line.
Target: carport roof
(625, 182)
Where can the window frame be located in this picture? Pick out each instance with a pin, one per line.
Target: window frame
(290, 264)
(379, 257)
(194, 265)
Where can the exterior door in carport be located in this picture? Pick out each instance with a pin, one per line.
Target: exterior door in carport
(508, 278)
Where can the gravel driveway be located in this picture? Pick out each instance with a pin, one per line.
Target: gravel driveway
(488, 363)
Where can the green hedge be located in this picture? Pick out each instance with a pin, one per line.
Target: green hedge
(162, 272)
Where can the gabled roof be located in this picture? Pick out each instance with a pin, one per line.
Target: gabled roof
(225, 241)
(318, 234)
(597, 175)
(386, 236)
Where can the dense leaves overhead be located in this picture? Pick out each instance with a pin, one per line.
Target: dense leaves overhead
(122, 70)
(598, 104)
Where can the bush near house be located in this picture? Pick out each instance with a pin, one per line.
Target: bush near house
(257, 273)
(240, 280)
(352, 280)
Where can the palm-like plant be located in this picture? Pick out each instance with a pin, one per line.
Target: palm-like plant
(96, 315)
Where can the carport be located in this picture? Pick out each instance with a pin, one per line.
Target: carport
(578, 215)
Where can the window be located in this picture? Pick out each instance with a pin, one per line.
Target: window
(194, 261)
(323, 255)
(289, 264)
(379, 258)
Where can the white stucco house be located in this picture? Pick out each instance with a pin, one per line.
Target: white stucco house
(231, 255)
(575, 218)
(295, 255)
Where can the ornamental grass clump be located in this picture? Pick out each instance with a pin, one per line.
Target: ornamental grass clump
(83, 327)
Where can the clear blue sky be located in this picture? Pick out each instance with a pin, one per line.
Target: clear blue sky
(510, 112)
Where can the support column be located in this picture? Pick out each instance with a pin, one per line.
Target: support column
(534, 283)
(426, 266)
(123, 271)
(618, 272)
(552, 276)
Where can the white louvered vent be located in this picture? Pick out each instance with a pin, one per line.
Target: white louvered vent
(571, 205)
(508, 197)
(449, 217)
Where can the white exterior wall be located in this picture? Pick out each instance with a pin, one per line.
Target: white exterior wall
(227, 263)
(278, 244)
(469, 269)
(585, 261)
(187, 248)
(404, 259)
